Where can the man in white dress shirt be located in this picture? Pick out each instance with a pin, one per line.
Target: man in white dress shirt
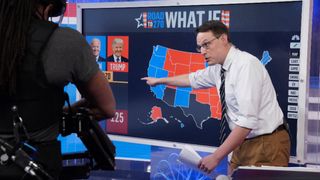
(258, 135)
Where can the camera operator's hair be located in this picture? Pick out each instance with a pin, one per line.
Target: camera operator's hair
(15, 18)
(216, 27)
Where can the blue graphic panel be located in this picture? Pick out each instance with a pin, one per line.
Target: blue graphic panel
(165, 164)
(132, 150)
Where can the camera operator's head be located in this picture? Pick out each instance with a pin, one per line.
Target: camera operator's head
(15, 19)
(50, 8)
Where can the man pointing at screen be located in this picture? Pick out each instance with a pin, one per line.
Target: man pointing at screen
(249, 104)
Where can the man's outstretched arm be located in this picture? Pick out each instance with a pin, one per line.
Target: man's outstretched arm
(181, 80)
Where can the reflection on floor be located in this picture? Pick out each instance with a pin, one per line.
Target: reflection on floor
(125, 170)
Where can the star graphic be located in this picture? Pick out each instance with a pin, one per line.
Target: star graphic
(139, 19)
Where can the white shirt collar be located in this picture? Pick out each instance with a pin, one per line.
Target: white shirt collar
(115, 58)
(230, 56)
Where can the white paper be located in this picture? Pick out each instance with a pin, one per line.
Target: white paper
(189, 157)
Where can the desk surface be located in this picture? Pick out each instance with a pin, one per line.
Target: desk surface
(276, 173)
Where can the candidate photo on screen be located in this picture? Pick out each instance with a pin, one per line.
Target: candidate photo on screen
(118, 49)
(98, 45)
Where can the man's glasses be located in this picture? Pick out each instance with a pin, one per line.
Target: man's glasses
(206, 45)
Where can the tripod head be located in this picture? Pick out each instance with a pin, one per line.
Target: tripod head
(98, 144)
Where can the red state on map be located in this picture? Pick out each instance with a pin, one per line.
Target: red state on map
(180, 62)
(156, 113)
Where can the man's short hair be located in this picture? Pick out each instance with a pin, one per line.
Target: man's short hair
(116, 41)
(95, 39)
(216, 27)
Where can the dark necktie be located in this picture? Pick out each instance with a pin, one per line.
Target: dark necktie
(118, 59)
(224, 128)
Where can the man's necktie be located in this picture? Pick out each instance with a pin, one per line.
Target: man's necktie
(224, 128)
(118, 59)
